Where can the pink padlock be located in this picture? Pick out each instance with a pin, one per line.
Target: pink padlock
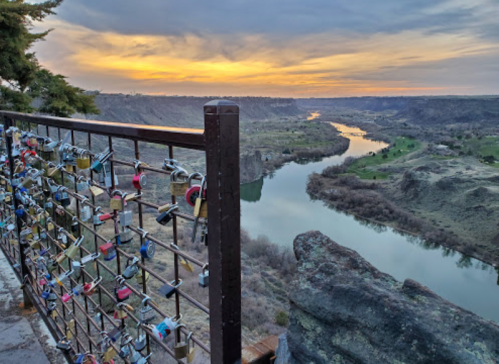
(139, 181)
(43, 282)
(123, 293)
(66, 297)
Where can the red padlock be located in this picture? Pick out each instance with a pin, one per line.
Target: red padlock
(104, 217)
(139, 181)
(25, 155)
(123, 293)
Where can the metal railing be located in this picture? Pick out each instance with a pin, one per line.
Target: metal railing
(41, 227)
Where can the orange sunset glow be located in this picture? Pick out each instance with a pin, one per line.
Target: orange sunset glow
(323, 63)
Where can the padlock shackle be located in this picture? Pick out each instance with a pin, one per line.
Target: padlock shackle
(192, 175)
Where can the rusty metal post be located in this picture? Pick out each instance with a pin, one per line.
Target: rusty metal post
(22, 257)
(221, 122)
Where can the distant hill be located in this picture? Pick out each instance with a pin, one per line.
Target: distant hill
(185, 111)
(438, 110)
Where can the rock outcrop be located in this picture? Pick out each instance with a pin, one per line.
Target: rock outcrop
(251, 166)
(345, 311)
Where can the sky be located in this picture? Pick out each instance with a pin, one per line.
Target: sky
(291, 48)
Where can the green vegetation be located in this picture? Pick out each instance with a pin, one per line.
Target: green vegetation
(484, 148)
(22, 79)
(286, 137)
(282, 318)
(363, 167)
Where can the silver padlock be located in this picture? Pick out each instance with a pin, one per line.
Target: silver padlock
(126, 236)
(146, 313)
(85, 213)
(131, 268)
(125, 218)
(141, 340)
(204, 277)
(81, 186)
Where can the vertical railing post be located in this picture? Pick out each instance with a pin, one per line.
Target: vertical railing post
(7, 123)
(221, 122)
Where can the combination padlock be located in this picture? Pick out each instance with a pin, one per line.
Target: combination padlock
(148, 249)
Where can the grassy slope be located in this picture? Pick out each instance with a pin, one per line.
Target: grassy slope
(365, 167)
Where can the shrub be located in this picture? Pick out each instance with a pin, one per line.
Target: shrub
(282, 318)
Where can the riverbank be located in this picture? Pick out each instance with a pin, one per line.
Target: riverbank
(443, 200)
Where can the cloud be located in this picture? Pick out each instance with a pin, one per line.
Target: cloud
(286, 48)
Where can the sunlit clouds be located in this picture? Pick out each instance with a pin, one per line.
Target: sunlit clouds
(322, 63)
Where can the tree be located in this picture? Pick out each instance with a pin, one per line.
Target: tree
(22, 79)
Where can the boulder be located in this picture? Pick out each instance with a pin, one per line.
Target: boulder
(345, 311)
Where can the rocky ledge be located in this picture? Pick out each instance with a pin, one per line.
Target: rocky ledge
(343, 310)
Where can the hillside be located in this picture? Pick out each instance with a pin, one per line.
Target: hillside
(185, 111)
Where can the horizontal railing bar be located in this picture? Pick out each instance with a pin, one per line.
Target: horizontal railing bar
(179, 137)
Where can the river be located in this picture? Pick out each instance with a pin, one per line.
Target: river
(279, 207)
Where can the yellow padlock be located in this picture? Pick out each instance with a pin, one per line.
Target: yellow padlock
(96, 191)
(115, 203)
(201, 208)
(83, 161)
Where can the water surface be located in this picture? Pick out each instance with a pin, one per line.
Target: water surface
(278, 206)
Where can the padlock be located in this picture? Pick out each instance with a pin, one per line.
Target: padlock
(76, 267)
(125, 349)
(122, 292)
(164, 208)
(65, 200)
(90, 288)
(191, 349)
(64, 344)
(183, 262)
(49, 204)
(81, 186)
(46, 292)
(83, 160)
(89, 258)
(52, 171)
(204, 277)
(75, 248)
(120, 314)
(139, 179)
(168, 289)
(143, 359)
(116, 203)
(147, 313)
(193, 192)
(165, 217)
(108, 250)
(85, 213)
(100, 160)
(96, 191)
(52, 297)
(141, 340)
(66, 297)
(126, 218)
(177, 188)
(165, 328)
(131, 268)
(180, 347)
(148, 249)
(74, 225)
(78, 289)
(79, 358)
(59, 280)
(126, 236)
(139, 276)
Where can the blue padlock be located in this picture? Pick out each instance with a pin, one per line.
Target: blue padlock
(45, 294)
(58, 196)
(20, 213)
(148, 249)
(23, 189)
(80, 358)
(22, 174)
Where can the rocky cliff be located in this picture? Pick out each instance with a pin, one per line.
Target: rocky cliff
(251, 166)
(345, 311)
(185, 111)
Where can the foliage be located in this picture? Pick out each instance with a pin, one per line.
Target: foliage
(22, 79)
(362, 167)
(282, 318)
